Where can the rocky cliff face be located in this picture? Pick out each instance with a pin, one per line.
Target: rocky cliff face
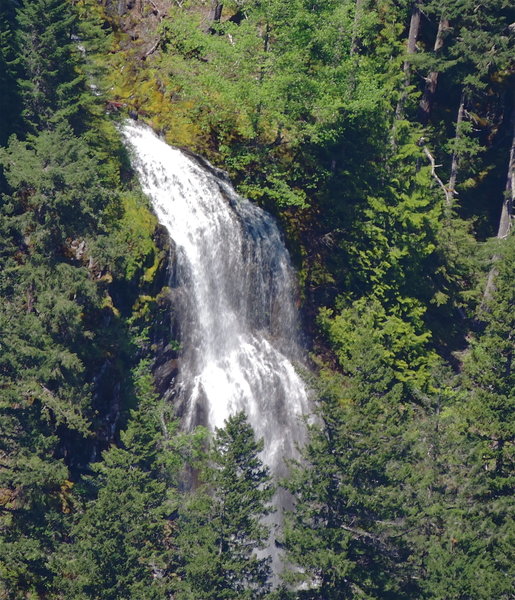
(143, 304)
(164, 332)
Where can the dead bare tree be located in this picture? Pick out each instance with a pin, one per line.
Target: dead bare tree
(505, 221)
(411, 46)
(215, 14)
(426, 102)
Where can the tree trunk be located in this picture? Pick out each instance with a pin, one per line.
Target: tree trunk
(414, 28)
(426, 103)
(509, 196)
(455, 156)
(506, 215)
(215, 14)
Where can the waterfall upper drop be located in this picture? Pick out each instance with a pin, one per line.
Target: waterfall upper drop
(238, 322)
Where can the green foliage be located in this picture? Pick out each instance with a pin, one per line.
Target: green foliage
(490, 377)
(345, 532)
(9, 94)
(58, 327)
(221, 527)
(404, 488)
(400, 343)
(127, 251)
(46, 342)
(263, 89)
(51, 87)
(459, 529)
(58, 186)
(120, 547)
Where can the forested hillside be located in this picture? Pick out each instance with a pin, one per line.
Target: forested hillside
(381, 135)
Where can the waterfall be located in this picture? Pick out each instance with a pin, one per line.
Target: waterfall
(235, 301)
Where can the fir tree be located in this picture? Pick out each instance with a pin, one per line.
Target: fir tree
(344, 537)
(59, 186)
(121, 546)
(221, 529)
(484, 541)
(51, 85)
(9, 93)
(489, 371)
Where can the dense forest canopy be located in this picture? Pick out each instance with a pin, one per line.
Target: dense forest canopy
(380, 134)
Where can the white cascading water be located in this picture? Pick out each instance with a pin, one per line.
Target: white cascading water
(235, 306)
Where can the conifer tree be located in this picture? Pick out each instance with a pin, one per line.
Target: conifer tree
(460, 525)
(483, 544)
(344, 536)
(9, 93)
(59, 185)
(221, 528)
(489, 371)
(120, 547)
(49, 301)
(433, 490)
(51, 85)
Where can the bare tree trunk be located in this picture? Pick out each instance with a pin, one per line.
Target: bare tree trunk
(451, 192)
(414, 28)
(505, 221)
(426, 102)
(509, 197)
(215, 14)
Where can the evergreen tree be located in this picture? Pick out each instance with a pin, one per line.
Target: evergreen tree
(434, 490)
(60, 188)
(489, 372)
(221, 529)
(43, 405)
(50, 304)
(34, 482)
(484, 541)
(44, 389)
(9, 93)
(460, 526)
(120, 546)
(51, 85)
(344, 537)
